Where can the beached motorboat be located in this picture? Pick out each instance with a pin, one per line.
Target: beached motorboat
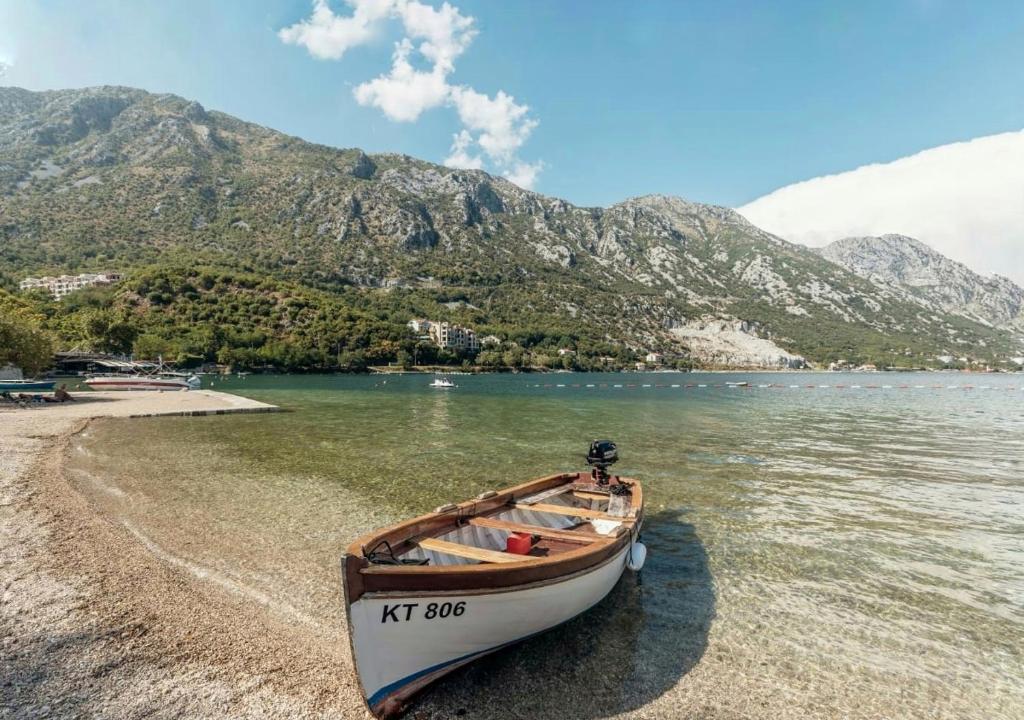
(429, 595)
(144, 382)
(26, 385)
(443, 383)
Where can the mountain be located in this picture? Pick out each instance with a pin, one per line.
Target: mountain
(114, 177)
(948, 286)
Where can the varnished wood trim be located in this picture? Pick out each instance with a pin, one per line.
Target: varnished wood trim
(398, 594)
(583, 495)
(554, 534)
(468, 551)
(385, 578)
(571, 511)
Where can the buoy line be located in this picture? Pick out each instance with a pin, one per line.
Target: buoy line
(766, 386)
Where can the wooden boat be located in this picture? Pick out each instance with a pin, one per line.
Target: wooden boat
(431, 594)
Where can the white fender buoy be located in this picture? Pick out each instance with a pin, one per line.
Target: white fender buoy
(636, 557)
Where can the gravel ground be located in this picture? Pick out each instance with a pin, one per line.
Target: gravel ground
(94, 625)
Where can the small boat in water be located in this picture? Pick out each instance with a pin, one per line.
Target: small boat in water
(443, 383)
(433, 593)
(144, 382)
(27, 385)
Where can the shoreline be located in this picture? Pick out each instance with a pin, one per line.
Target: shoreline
(95, 622)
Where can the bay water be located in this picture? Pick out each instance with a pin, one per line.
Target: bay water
(820, 545)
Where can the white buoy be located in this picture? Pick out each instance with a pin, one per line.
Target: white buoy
(637, 555)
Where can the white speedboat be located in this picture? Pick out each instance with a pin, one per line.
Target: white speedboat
(430, 594)
(443, 383)
(144, 382)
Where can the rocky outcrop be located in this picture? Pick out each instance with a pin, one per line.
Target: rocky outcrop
(734, 344)
(942, 283)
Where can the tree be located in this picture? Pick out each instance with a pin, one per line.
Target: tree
(23, 341)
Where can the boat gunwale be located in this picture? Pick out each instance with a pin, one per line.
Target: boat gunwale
(400, 594)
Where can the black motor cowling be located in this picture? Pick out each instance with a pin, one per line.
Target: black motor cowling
(602, 454)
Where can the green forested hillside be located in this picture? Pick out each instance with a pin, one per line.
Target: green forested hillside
(250, 320)
(319, 256)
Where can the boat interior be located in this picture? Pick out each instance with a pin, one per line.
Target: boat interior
(541, 520)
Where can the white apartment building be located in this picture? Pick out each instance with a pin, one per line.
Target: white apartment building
(454, 337)
(61, 286)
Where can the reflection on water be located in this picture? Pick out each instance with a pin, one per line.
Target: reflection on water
(814, 552)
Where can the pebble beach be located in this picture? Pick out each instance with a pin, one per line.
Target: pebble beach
(96, 624)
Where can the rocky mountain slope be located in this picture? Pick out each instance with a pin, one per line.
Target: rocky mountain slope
(118, 177)
(905, 263)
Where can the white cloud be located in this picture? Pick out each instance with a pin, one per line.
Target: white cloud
(503, 125)
(964, 199)
(328, 36)
(494, 128)
(446, 32)
(524, 174)
(460, 157)
(405, 92)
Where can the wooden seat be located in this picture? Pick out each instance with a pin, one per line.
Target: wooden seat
(468, 551)
(570, 511)
(584, 495)
(539, 530)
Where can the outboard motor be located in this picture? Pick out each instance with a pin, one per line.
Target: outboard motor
(602, 455)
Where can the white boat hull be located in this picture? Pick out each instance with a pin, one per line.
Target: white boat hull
(403, 641)
(114, 383)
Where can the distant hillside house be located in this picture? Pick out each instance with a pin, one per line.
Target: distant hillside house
(61, 286)
(490, 341)
(654, 358)
(565, 351)
(420, 326)
(454, 337)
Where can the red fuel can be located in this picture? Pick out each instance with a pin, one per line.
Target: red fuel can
(519, 543)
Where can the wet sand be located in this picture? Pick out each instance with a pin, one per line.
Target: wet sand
(95, 624)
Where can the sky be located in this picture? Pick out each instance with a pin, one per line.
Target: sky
(716, 101)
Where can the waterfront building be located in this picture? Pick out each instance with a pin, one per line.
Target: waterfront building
(64, 284)
(454, 337)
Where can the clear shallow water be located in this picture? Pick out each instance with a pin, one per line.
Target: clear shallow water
(814, 552)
